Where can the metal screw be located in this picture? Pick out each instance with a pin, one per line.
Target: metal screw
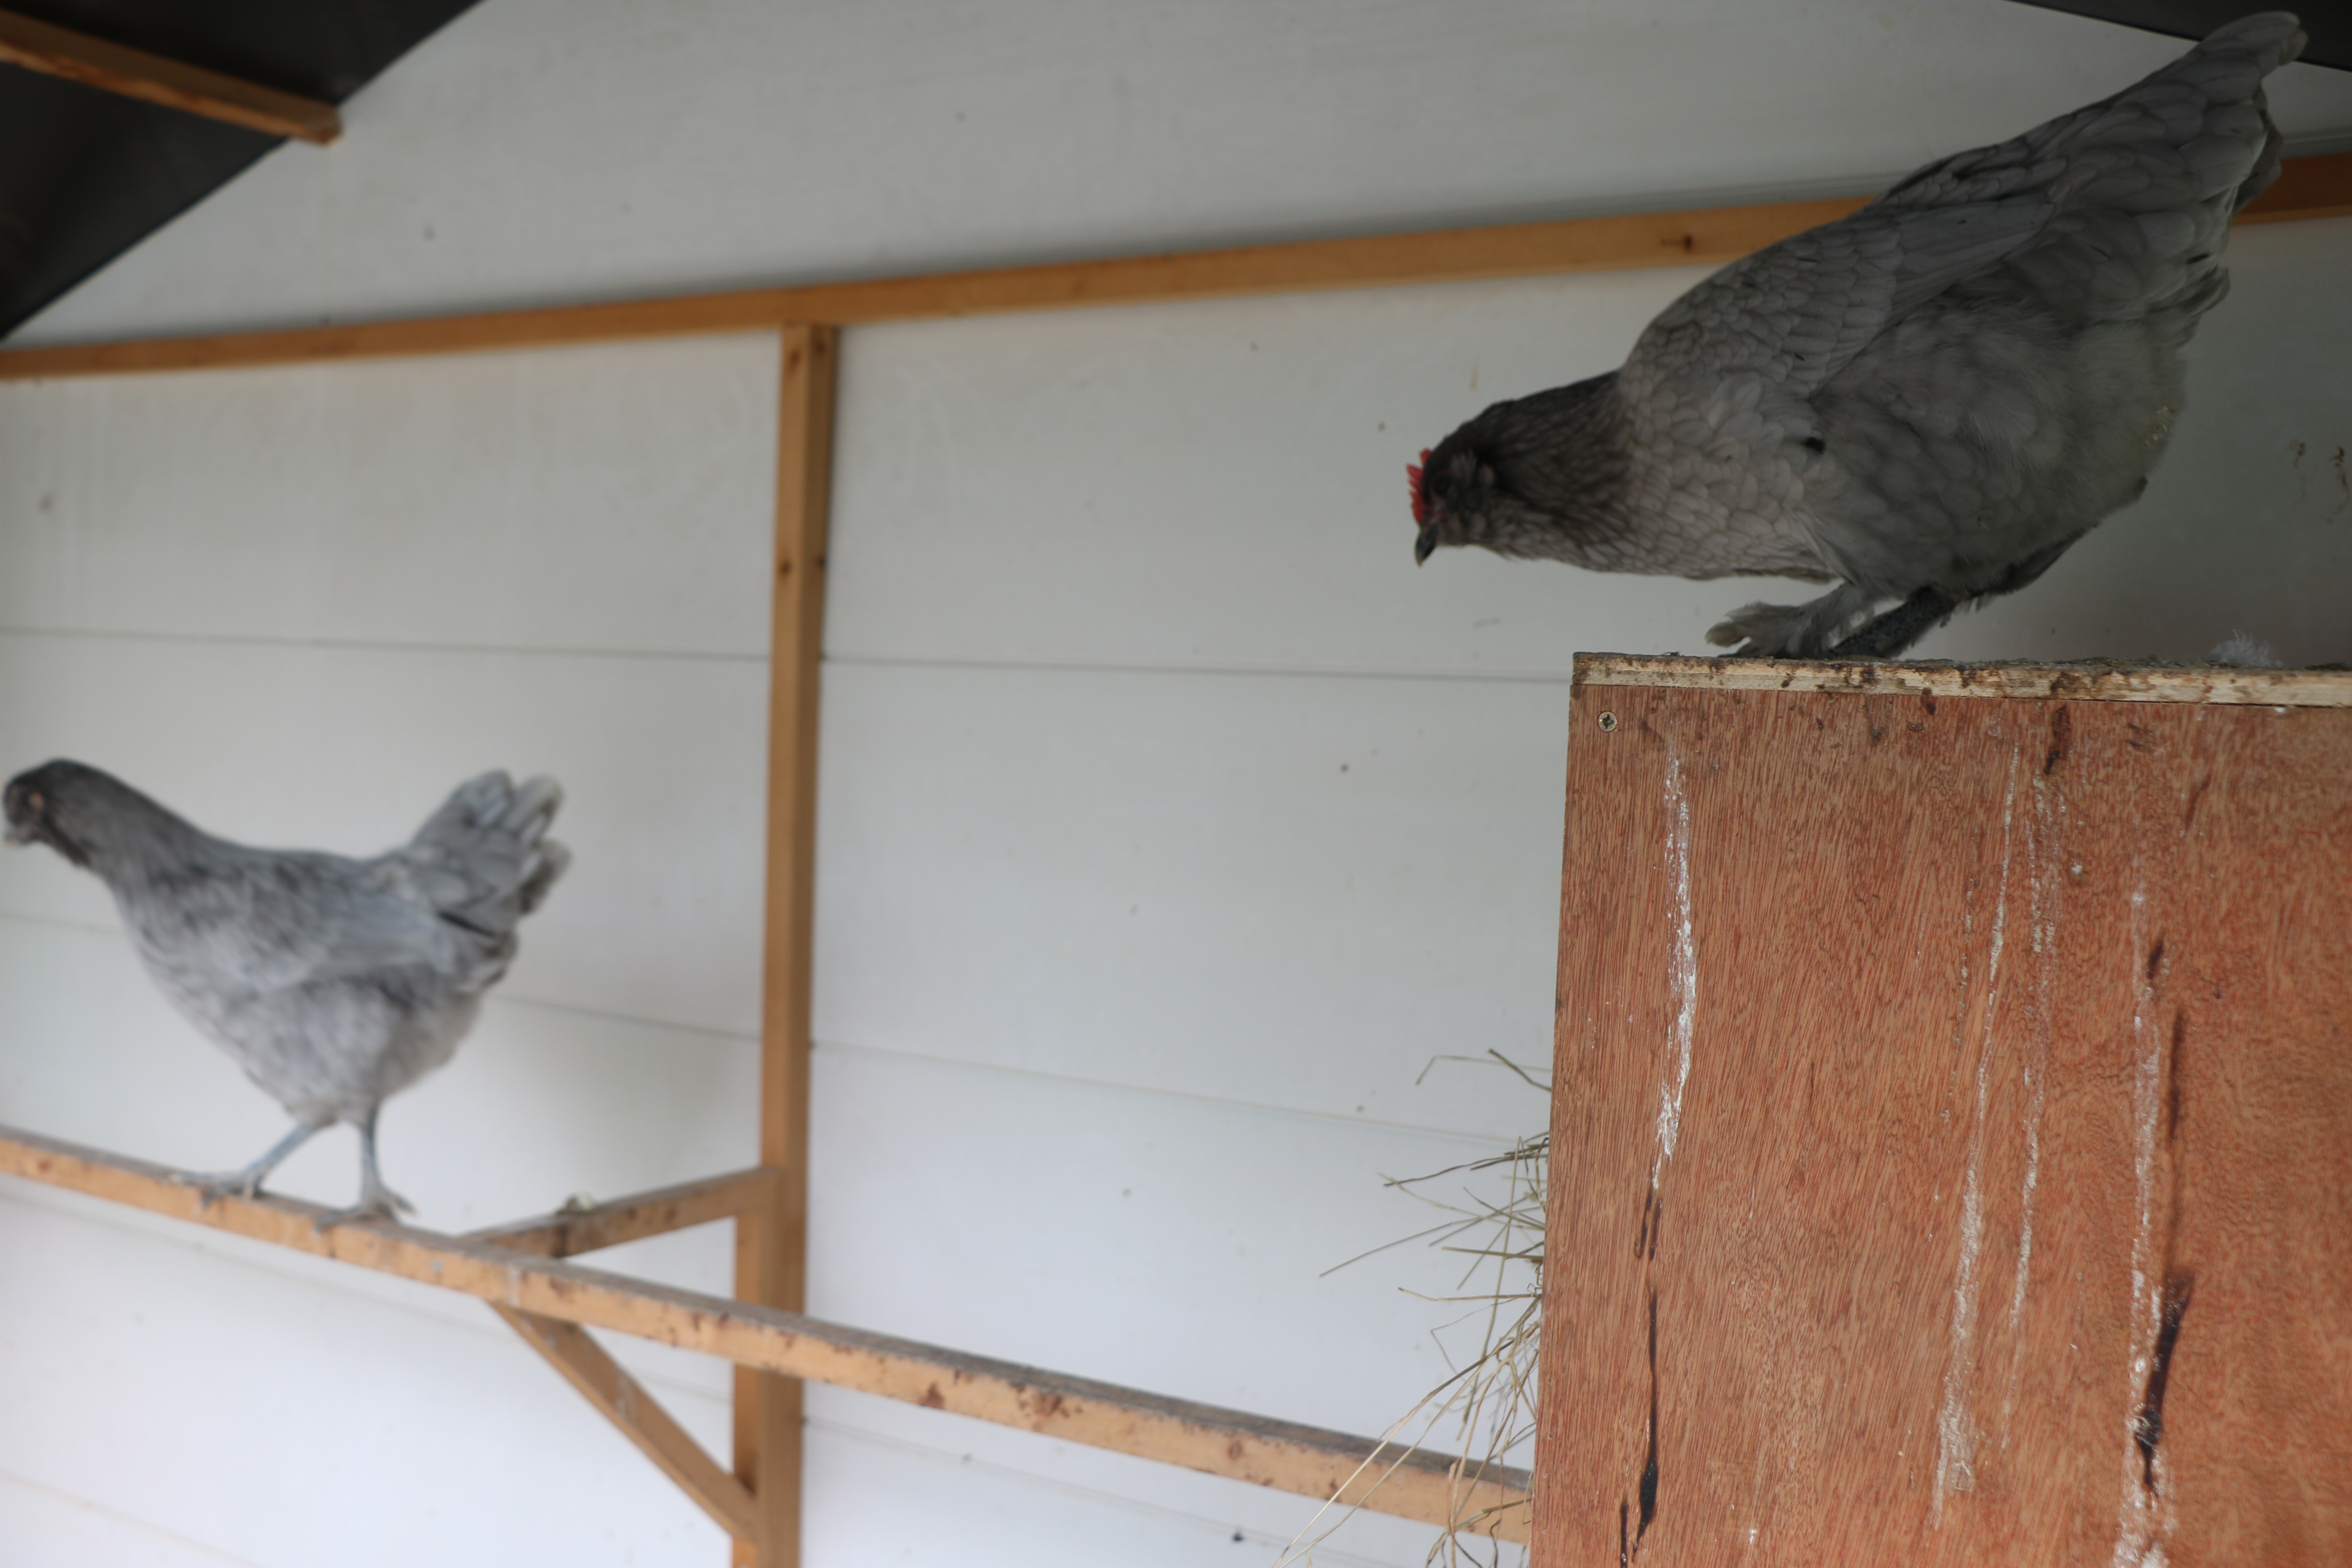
(1609, 720)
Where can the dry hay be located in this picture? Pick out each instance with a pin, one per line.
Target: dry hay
(1485, 1408)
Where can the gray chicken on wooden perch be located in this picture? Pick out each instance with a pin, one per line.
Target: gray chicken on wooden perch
(334, 983)
(1926, 401)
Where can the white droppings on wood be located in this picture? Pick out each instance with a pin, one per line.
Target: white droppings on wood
(2141, 1522)
(2042, 924)
(1956, 1433)
(1684, 976)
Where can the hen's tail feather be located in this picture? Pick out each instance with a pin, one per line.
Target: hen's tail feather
(483, 859)
(2151, 178)
(551, 862)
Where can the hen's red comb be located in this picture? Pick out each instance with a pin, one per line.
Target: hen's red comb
(1420, 501)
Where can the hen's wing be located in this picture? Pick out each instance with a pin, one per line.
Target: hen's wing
(255, 921)
(2102, 212)
(238, 922)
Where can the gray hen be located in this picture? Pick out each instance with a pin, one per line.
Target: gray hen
(1927, 401)
(334, 983)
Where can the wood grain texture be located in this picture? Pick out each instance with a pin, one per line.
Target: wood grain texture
(1436, 1488)
(1371, 261)
(153, 78)
(1953, 1117)
(2095, 682)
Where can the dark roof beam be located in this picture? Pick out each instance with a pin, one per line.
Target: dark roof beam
(134, 73)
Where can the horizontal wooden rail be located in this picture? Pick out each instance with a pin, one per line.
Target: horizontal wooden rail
(2311, 187)
(1432, 1488)
(153, 78)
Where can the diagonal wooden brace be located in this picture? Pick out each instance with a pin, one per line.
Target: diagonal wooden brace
(589, 1368)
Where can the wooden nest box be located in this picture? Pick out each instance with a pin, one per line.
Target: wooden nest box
(1952, 1138)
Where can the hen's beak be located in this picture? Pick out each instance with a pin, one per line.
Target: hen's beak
(1423, 546)
(18, 835)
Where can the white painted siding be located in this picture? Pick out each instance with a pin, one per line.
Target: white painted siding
(1170, 820)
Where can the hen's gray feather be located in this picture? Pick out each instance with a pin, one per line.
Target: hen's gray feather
(333, 982)
(1929, 399)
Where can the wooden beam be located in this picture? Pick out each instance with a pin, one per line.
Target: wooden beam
(1435, 1489)
(2311, 187)
(2095, 682)
(771, 1241)
(568, 1232)
(153, 78)
(588, 1367)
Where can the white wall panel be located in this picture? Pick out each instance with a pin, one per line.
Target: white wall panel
(560, 499)
(1219, 483)
(38, 1525)
(1168, 1244)
(543, 150)
(1279, 891)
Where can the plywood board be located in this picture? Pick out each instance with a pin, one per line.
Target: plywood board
(1953, 1095)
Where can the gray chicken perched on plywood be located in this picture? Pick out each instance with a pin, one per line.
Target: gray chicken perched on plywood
(1926, 401)
(334, 983)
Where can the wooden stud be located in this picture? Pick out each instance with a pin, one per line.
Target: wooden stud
(588, 1367)
(2319, 187)
(1436, 1489)
(568, 1232)
(153, 78)
(771, 1241)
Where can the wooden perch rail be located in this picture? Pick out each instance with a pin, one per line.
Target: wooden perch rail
(550, 1300)
(2312, 187)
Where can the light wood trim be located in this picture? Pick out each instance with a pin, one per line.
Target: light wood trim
(1514, 250)
(772, 1242)
(153, 78)
(569, 1232)
(2087, 682)
(2319, 187)
(1282, 1455)
(588, 1367)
